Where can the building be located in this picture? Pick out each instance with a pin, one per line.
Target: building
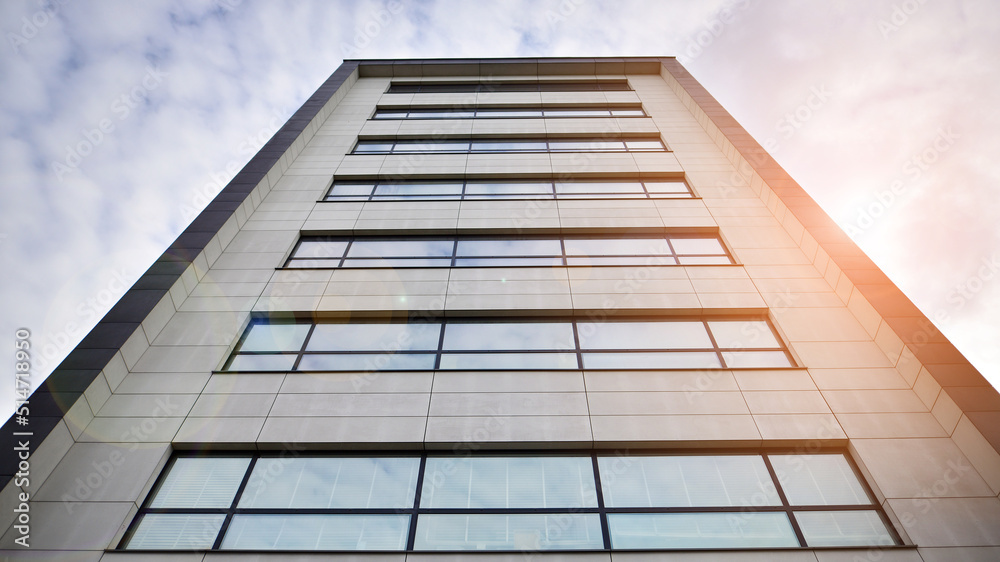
(525, 305)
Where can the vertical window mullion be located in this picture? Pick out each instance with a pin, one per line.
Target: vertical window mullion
(232, 507)
(715, 344)
(411, 535)
(440, 346)
(605, 528)
(302, 349)
(576, 343)
(343, 257)
(784, 501)
(673, 251)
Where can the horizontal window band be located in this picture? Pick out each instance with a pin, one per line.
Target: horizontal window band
(500, 87)
(516, 510)
(507, 145)
(382, 114)
(413, 501)
(486, 189)
(516, 251)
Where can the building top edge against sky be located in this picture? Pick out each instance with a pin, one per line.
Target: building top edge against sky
(889, 316)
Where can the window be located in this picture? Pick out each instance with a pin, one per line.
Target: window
(486, 146)
(468, 113)
(525, 251)
(475, 87)
(509, 344)
(509, 502)
(502, 189)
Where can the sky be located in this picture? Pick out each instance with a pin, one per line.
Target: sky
(120, 120)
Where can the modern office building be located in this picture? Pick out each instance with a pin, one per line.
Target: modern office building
(547, 309)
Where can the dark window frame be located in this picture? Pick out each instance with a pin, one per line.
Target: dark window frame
(553, 194)
(439, 353)
(513, 86)
(496, 113)
(601, 509)
(396, 144)
(547, 260)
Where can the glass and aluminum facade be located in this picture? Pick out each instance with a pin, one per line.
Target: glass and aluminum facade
(507, 189)
(506, 113)
(498, 145)
(510, 344)
(507, 86)
(495, 251)
(510, 502)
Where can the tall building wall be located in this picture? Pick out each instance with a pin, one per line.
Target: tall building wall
(865, 376)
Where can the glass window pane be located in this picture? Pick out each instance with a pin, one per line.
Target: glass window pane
(700, 530)
(508, 336)
(704, 260)
(587, 145)
(509, 262)
(441, 114)
(373, 147)
(325, 263)
(617, 247)
(507, 188)
(262, 363)
(317, 532)
(352, 189)
(599, 187)
(331, 483)
(743, 334)
(644, 335)
(320, 249)
(386, 114)
(171, 531)
(507, 146)
(441, 146)
(686, 481)
(622, 260)
(524, 532)
(665, 360)
(530, 247)
(413, 189)
(201, 482)
(756, 359)
(818, 480)
(666, 186)
(367, 362)
(275, 337)
(697, 246)
(378, 337)
(504, 113)
(496, 360)
(397, 262)
(577, 113)
(644, 145)
(843, 528)
(627, 113)
(508, 482)
(397, 248)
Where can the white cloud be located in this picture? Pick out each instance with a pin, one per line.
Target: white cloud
(234, 67)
